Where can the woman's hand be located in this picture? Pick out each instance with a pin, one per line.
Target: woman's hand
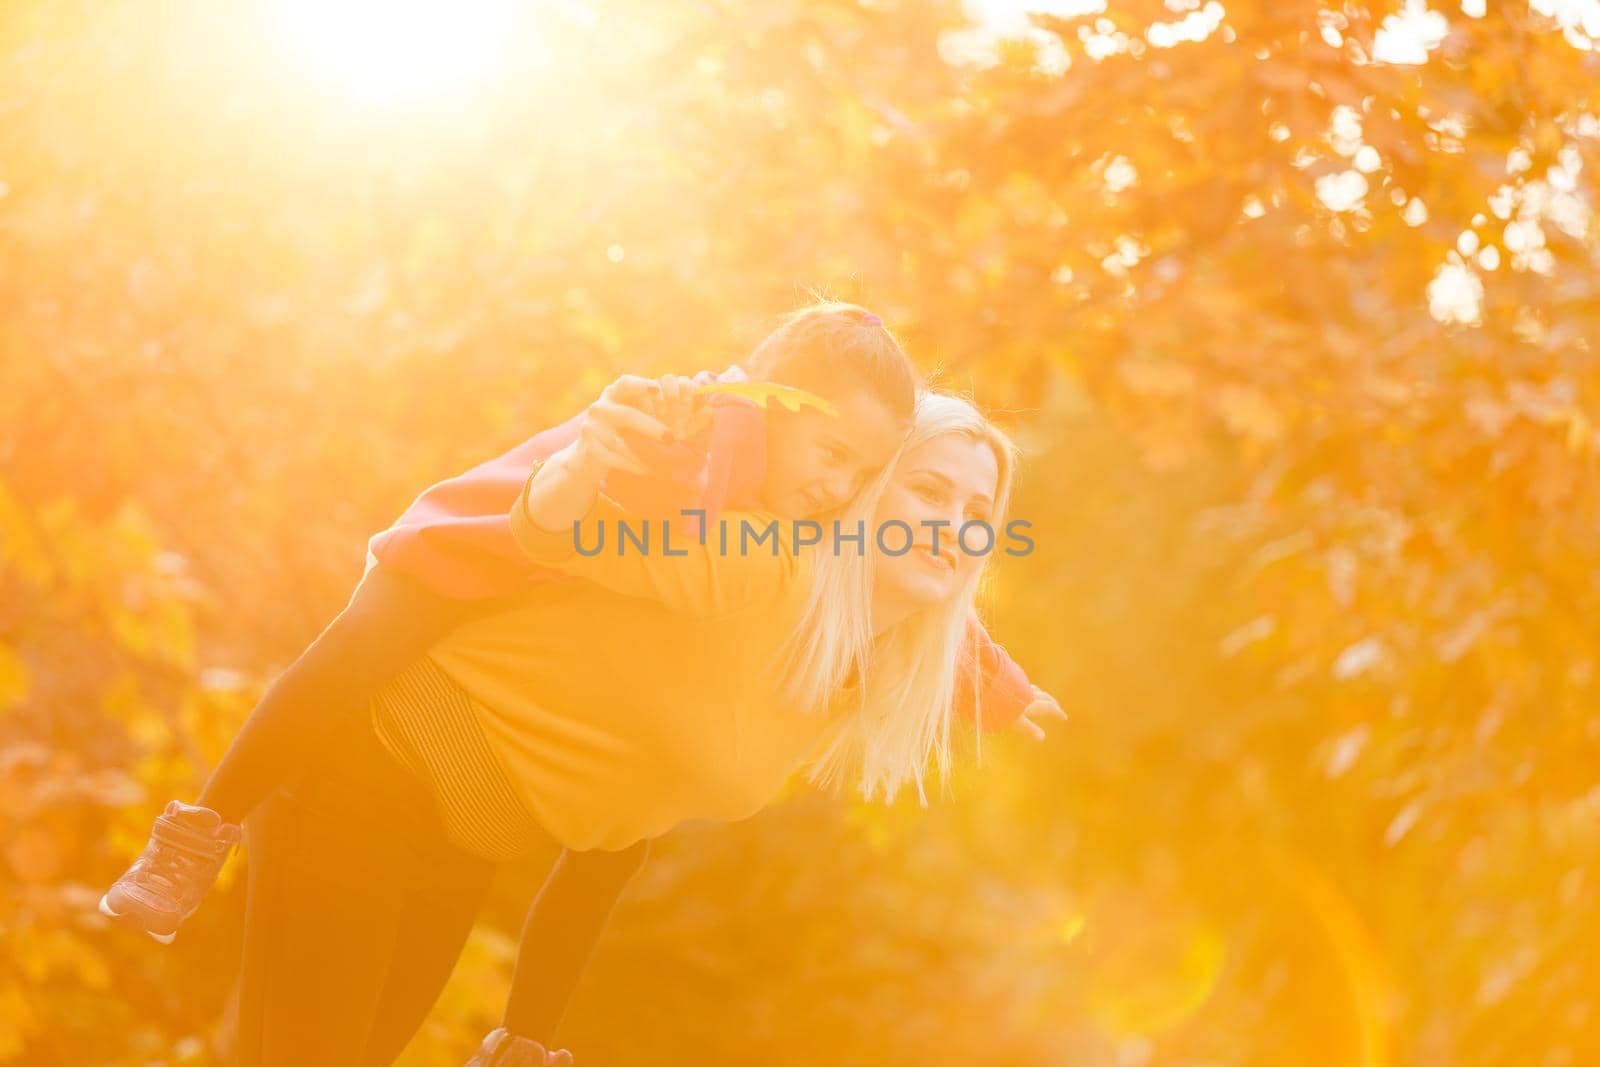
(1043, 706)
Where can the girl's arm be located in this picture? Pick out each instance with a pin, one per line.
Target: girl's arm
(676, 569)
(454, 537)
(566, 483)
(562, 507)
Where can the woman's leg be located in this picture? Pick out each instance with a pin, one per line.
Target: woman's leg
(389, 621)
(320, 926)
(563, 926)
(433, 927)
(357, 901)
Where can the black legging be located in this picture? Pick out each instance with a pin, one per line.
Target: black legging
(358, 907)
(388, 622)
(563, 926)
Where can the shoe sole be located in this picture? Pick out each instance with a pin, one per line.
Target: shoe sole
(105, 909)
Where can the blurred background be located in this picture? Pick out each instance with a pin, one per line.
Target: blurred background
(1293, 306)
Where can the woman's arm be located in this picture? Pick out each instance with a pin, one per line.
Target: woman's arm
(1043, 706)
(994, 686)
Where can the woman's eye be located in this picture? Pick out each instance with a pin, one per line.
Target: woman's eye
(932, 496)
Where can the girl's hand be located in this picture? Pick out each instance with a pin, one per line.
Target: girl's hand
(1043, 706)
(625, 404)
(679, 404)
(563, 488)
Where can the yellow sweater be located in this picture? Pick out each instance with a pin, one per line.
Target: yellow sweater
(646, 695)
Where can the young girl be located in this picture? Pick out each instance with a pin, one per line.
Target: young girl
(665, 687)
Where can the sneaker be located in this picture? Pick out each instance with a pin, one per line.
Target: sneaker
(504, 1049)
(188, 845)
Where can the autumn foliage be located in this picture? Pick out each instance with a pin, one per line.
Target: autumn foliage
(1293, 307)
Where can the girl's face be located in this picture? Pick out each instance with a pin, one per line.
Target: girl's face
(937, 487)
(817, 462)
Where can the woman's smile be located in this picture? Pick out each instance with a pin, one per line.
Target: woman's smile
(943, 560)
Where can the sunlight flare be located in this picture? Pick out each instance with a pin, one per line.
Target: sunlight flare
(399, 51)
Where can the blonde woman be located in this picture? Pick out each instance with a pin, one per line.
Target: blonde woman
(684, 680)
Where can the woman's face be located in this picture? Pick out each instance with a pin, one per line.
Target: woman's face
(938, 486)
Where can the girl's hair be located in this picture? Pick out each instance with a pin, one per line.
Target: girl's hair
(832, 348)
(905, 677)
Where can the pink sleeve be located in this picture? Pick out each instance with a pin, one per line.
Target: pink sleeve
(991, 686)
(455, 537)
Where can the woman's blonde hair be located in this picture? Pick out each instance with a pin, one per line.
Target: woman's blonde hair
(905, 679)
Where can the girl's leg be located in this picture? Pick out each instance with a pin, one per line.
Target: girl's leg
(563, 926)
(389, 621)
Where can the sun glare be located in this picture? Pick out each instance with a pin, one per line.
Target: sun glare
(385, 52)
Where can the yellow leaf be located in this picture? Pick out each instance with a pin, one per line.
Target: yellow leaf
(1249, 413)
(1157, 377)
(764, 392)
(13, 677)
(17, 1021)
(18, 545)
(1580, 434)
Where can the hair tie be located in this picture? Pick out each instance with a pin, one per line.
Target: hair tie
(871, 320)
